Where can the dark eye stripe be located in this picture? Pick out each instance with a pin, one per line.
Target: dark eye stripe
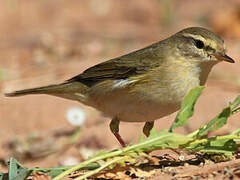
(208, 48)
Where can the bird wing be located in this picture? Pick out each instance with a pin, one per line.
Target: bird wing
(132, 64)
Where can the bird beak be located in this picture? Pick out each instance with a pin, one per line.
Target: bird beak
(224, 57)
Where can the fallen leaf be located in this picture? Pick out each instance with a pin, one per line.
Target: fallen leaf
(40, 176)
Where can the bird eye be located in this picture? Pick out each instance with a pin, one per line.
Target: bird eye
(199, 44)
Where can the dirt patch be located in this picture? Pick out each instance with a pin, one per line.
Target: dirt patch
(45, 42)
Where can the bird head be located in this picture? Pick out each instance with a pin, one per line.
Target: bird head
(201, 45)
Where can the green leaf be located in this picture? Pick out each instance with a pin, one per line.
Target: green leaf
(161, 140)
(215, 123)
(235, 103)
(215, 145)
(54, 172)
(187, 108)
(16, 171)
(218, 121)
(236, 111)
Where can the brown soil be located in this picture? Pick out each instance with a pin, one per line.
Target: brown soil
(45, 42)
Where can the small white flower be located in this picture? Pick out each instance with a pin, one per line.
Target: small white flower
(181, 158)
(76, 116)
(69, 161)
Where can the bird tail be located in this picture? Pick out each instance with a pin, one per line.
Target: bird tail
(68, 90)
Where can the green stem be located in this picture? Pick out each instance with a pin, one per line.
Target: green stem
(64, 168)
(75, 136)
(193, 134)
(81, 165)
(99, 169)
(50, 169)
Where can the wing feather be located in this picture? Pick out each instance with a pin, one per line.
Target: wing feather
(132, 64)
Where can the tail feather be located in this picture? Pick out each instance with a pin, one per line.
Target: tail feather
(66, 90)
(38, 90)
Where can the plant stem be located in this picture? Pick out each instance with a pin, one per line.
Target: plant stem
(99, 169)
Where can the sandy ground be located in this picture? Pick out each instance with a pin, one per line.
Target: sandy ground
(45, 42)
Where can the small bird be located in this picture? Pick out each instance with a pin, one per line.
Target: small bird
(146, 84)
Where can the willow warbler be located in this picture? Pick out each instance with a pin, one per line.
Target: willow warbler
(147, 84)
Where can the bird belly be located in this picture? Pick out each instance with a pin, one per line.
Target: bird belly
(130, 107)
(132, 110)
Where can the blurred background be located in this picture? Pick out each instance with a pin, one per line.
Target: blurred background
(46, 42)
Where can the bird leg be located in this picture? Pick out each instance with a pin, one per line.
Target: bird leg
(148, 127)
(114, 126)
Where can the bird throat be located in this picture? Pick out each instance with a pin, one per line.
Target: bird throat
(205, 68)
